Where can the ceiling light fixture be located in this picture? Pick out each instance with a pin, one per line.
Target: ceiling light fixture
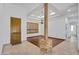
(40, 16)
(52, 13)
(69, 10)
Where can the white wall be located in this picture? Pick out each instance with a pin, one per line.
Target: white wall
(6, 11)
(56, 27)
(78, 27)
(41, 29)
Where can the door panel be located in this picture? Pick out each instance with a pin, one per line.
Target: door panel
(15, 30)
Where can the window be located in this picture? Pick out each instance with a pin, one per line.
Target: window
(72, 27)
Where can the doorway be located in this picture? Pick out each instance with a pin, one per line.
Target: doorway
(15, 30)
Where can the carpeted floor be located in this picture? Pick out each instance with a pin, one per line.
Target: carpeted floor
(35, 40)
(26, 48)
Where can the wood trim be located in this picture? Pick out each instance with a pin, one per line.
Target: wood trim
(56, 38)
(48, 37)
(36, 36)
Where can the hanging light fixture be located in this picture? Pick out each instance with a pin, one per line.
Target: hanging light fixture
(42, 21)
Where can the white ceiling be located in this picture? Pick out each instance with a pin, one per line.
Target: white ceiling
(30, 7)
(36, 9)
(33, 7)
(58, 8)
(62, 6)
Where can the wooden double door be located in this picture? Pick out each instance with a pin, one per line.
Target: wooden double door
(15, 30)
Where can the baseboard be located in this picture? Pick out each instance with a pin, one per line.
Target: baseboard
(48, 37)
(56, 38)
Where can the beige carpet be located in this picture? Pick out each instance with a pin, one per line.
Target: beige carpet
(26, 48)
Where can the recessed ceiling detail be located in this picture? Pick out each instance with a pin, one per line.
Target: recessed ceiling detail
(54, 10)
(38, 12)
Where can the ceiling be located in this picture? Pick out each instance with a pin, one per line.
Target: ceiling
(35, 10)
(30, 7)
(62, 6)
(57, 9)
